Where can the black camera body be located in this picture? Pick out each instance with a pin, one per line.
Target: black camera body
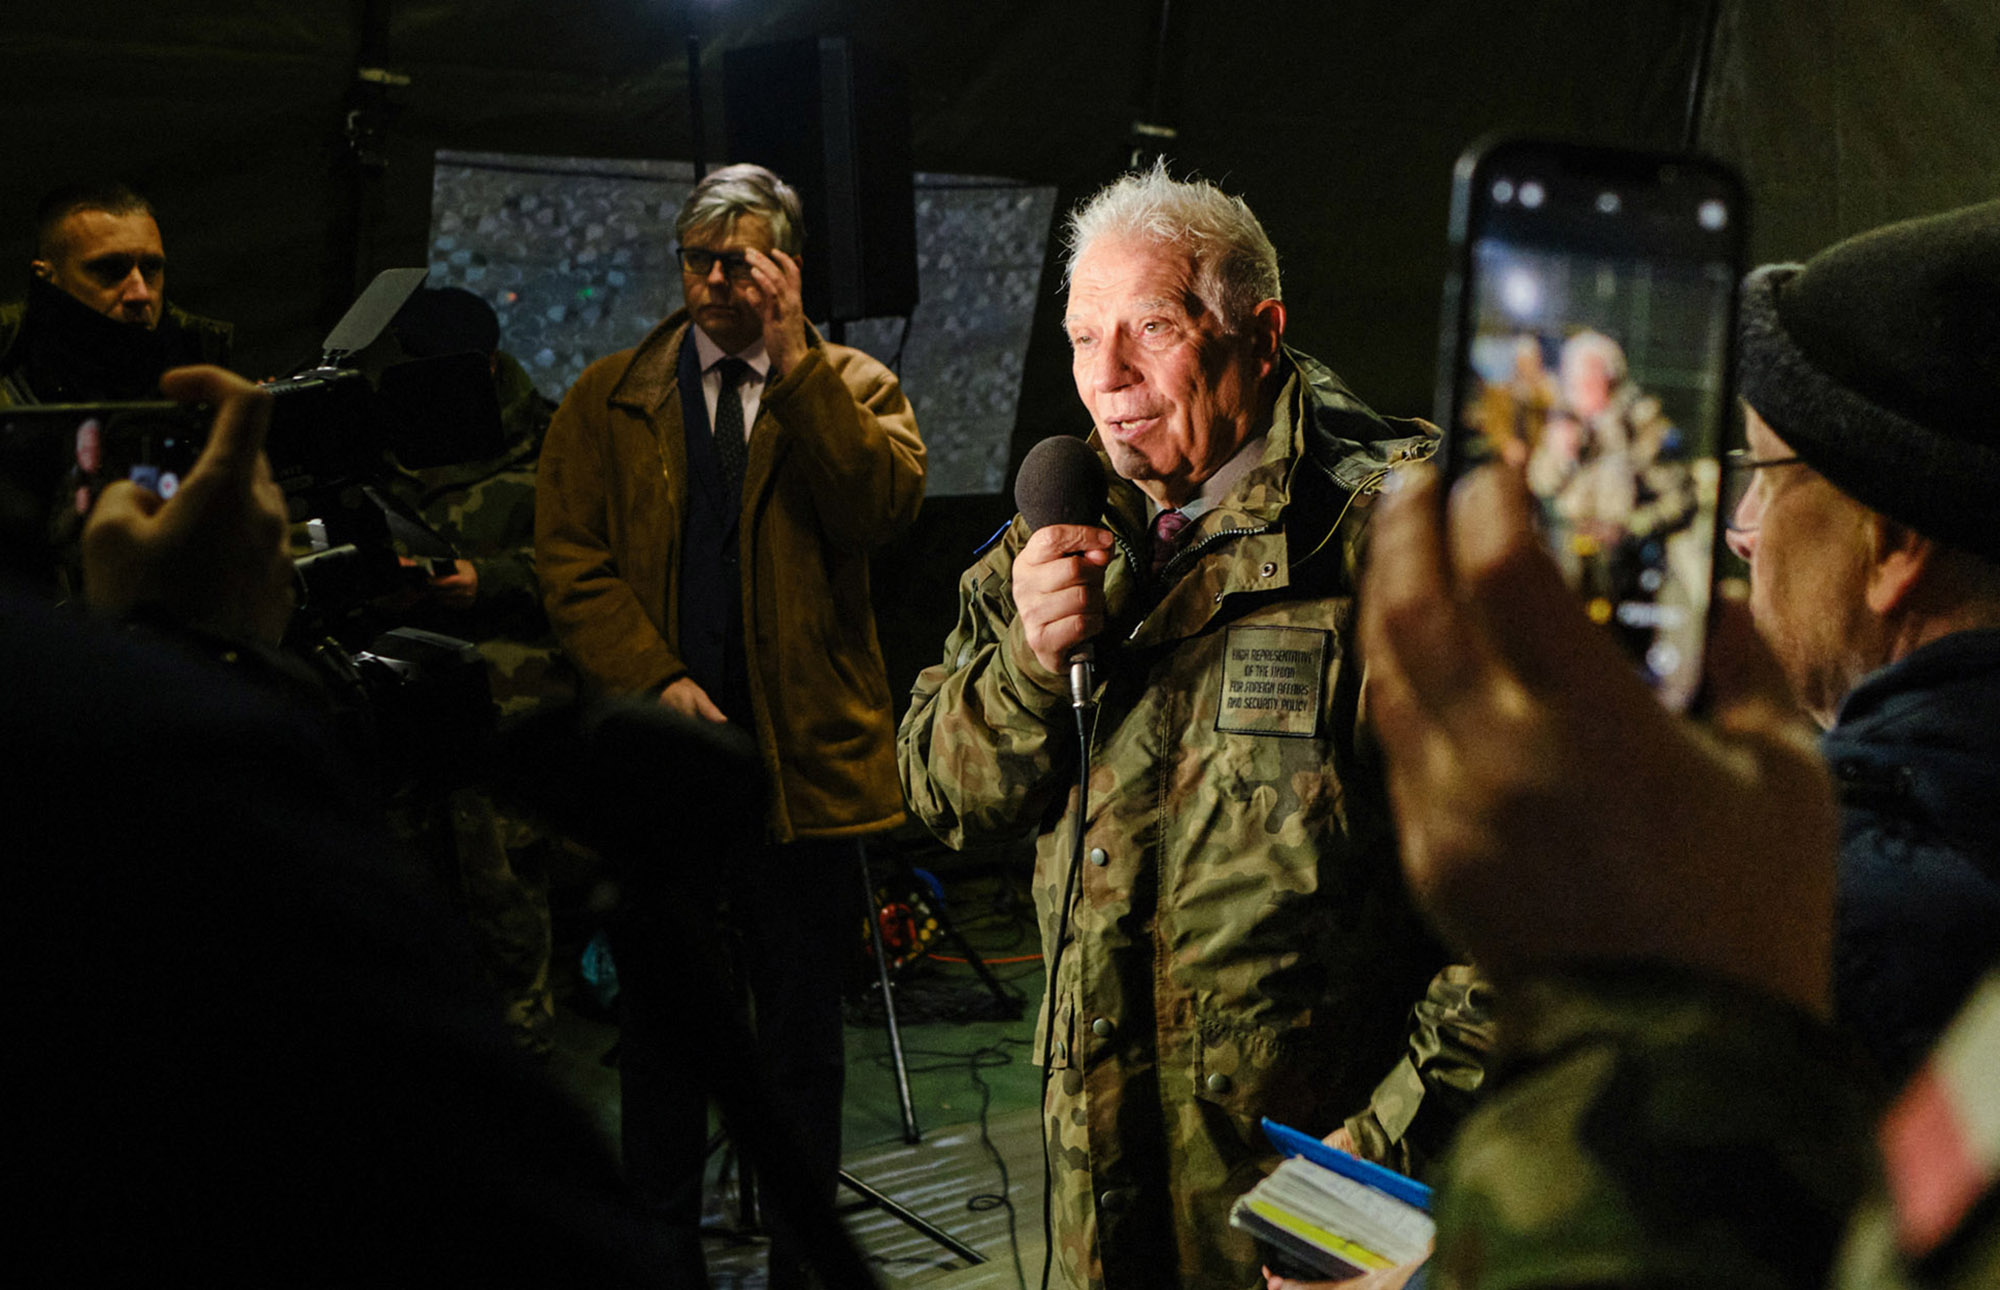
(418, 702)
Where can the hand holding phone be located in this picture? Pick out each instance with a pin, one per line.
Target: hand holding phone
(215, 556)
(1549, 809)
(1588, 334)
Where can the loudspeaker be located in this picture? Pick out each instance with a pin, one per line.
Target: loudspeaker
(833, 120)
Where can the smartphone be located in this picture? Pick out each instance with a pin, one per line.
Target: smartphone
(67, 452)
(56, 458)
(1589, 329)
(156, 453)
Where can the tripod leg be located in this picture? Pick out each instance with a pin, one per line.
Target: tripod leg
(734, 1162)
(1008, 1001)
(910, 1131)
(882, 1201)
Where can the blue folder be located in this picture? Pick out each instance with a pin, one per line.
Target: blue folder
(1294, 1143)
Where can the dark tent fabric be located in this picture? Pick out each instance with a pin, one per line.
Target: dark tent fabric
(1339, 123)
(1854, 113)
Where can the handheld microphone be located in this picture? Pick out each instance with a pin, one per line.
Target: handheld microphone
(1061, 482)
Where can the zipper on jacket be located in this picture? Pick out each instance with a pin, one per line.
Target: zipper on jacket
(1207, 542)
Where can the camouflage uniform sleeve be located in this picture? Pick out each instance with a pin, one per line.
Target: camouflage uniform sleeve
(507, 584)
(493, 520)
(1649, 1127)
(1416, 1107)
(1935, 1223)
(986, 743)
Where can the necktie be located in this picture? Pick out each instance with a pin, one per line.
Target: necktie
(1168, 529)
(730, 450)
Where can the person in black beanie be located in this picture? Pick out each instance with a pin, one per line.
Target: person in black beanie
(1871, 378)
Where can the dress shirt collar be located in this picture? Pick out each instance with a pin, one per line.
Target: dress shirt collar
(1217, 486)
(711, 353)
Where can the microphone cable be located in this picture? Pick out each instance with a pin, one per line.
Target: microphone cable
(1072, 880)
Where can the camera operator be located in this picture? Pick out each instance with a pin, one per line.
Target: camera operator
(249, 1050)
(95, 327)
(485, 510)
(96, 324)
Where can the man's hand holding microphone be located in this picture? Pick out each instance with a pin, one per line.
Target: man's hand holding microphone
(1059, 574)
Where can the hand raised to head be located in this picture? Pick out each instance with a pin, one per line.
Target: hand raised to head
(780, 302)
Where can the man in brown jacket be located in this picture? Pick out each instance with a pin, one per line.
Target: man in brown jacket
(707, 504)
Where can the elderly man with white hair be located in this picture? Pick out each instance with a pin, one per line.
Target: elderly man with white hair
(1238, 943)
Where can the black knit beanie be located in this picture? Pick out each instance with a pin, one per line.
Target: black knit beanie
(1878, 361)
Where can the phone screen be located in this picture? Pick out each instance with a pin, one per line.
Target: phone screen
(68, 452)
(1590, 324)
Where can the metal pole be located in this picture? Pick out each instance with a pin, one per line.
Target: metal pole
(1711, 22)
(694, 106)
(881, 1201)
(910, 1131)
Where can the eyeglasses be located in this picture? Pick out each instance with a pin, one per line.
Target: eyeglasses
(1742, 504)
(700, 261)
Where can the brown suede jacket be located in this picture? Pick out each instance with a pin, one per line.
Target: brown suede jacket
(835, 469)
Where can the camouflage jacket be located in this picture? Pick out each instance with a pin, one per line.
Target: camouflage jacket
(1242, 945)
(1429, 1090)
(1645, 1127)
(485, 511)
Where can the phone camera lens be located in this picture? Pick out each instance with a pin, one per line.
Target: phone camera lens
(1608, 203)
(1503, 191)
(1532, 194)
(1712, 215)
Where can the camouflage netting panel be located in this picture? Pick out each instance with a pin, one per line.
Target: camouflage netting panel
(576, 257)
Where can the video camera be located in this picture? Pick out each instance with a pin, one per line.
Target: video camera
(333, 429)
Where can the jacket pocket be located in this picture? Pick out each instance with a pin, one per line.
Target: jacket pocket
(1250, 1073)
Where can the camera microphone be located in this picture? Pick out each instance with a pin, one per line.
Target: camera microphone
(1062, 482)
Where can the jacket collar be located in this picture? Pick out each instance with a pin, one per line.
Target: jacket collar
(1903, 698)
(68, 351)
(1325, 452)
(1318, 427)
(649, 379)
(1345, 439)
(1917, 739)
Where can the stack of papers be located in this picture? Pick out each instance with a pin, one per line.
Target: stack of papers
(1332, 1215)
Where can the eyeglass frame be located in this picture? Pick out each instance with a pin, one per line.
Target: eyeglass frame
(735, 264)
(1738, 463)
